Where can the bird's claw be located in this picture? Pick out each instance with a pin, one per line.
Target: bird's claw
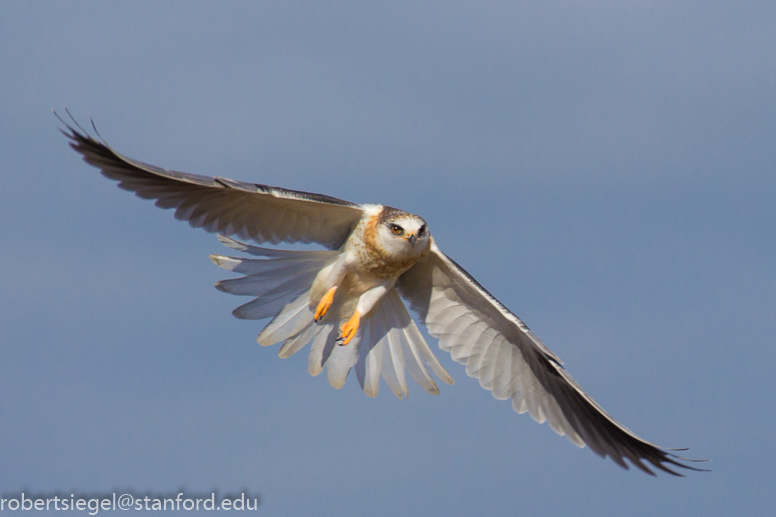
(349, 329)
(324, 304)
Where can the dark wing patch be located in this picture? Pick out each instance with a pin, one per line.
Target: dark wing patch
(250, 211)
(508, 359)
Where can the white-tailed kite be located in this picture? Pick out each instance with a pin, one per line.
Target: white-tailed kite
(347, 301)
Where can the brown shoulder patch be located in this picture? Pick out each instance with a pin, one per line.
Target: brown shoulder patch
(370, 230)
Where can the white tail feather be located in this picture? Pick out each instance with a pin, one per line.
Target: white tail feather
(394, 365)
(370, 356)
(324, 340)
(342, 359)
(268, 304)
(283, 325)
(296, 343)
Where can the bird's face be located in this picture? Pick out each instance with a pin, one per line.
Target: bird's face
(404, 236)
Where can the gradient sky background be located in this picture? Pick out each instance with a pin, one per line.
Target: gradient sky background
(606, 169)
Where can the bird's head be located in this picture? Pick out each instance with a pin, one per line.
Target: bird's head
(401, 234)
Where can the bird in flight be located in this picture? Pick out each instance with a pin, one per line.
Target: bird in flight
(348, 301)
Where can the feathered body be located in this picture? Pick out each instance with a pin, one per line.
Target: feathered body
(346, 301)
(372, 256)
(290, 285)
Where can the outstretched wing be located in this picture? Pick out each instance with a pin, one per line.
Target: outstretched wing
(508, 359)
(250, 211)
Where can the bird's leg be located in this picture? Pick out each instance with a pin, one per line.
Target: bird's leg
(334, 278)
(325, 303)
(366, 302)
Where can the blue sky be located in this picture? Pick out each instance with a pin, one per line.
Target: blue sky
(606, 169)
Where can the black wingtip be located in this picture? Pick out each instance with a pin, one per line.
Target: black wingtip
(71, 132)
(96, 132)
(677, 460)
(77, 133)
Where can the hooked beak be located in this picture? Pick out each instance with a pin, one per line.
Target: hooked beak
(411, 238)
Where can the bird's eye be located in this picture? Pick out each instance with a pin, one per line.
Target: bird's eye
(422, 230)
(396, 229)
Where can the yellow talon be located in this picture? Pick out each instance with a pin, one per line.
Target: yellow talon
(349, 329)
(325, 304)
